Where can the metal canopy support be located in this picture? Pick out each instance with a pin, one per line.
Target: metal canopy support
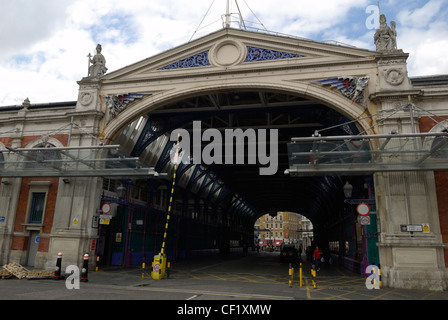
(87, 161)
(361, 154)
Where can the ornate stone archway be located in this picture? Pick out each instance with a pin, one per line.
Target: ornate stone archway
(235, 59)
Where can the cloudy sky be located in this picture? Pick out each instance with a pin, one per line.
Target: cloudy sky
(44, 43)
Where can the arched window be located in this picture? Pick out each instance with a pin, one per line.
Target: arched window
(43, 158)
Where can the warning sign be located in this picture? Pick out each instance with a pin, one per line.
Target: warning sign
(415, 228)
(365, 220)
(105, 219)
(363, 209)
(106, 208)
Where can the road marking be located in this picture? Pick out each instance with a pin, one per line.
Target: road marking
(308, 295)
(192, 297)
(212, 275)
(215, 293)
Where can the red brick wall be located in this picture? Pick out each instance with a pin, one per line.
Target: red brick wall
(441, 180)
(442, 192)
(21, 213)
(63, 138)
(44, 244)
(6, 141)
(426, 123)
(21, 242)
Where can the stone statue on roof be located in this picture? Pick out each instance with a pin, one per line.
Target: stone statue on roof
(98, 67)
(385, 36)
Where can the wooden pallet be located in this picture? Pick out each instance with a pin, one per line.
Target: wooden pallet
(4, 274)
(16, 269)
(40, 274)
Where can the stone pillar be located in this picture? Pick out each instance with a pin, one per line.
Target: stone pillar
(408, 260)
(9, 194)
(79, 197)
(73, 230)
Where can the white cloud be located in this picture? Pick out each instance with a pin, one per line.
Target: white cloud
(423, 33)
(25, 22)
(45, 42)
(420, 17)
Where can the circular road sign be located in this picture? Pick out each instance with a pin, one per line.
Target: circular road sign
(106, 208)
(365, 220)
(363, 209)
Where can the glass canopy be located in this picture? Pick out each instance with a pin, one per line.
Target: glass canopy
(91, 161)
(364, 154)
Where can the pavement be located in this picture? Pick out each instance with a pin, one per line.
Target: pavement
(255, 277)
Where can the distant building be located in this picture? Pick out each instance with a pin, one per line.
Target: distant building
(284, 228)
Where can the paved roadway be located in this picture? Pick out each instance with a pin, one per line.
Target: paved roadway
(256, 277)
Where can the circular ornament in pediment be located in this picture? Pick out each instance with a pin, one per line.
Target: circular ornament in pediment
(227, 53)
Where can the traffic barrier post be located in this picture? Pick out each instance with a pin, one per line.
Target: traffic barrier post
(57, 271)
(313, 274)
(291, 275)
(168, 268)
(84, 270)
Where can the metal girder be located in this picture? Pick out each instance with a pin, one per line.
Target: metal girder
(165, 156)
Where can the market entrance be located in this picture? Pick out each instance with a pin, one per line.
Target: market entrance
(240, 79)
(216, 204)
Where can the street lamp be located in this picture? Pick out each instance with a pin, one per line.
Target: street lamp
(121, 191)
(348, 190)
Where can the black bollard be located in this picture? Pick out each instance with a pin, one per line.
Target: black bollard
(85, 266)
(57, 270)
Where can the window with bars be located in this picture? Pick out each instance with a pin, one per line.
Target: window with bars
(37, 207)
(109, 184)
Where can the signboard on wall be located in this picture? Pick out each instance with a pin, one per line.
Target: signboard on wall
(105, 219)
(415, 228)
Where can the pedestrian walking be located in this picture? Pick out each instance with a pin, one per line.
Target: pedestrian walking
(316, 256)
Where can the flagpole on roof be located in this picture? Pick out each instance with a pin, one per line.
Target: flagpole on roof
(228, 14)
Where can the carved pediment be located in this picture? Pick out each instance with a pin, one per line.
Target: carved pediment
(237, 49)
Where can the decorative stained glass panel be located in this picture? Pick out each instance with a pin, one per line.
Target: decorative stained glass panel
(258, 54)
(198, 60)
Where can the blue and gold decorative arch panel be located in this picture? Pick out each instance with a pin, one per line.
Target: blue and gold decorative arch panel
(253, 54)
(198, 60)
(259, 54)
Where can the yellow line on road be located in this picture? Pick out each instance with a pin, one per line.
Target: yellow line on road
(212, 275)
(308, 295)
